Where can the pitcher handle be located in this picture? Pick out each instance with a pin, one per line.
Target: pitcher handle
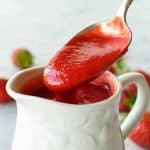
(141, 100)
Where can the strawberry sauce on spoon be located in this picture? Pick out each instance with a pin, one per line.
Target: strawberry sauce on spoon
(89, 53)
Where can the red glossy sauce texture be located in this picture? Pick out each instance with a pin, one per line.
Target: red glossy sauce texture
(36, 87)
(87, 55)
(94, 91)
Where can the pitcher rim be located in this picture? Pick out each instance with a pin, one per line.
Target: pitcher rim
(16, 95)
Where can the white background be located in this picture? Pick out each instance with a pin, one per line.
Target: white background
(43, 26)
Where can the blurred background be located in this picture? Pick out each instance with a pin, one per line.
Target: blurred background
(43, 26)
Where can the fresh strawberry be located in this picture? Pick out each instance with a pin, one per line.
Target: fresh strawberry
(141, 133)
(119, 67)
(127, 100)
(132, 88)
(22, 58)
(4, 97)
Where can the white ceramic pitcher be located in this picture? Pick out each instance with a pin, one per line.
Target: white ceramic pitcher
(44, 124)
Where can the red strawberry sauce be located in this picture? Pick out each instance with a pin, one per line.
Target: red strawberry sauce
(76, 74)
(96, 90)
(87, 55)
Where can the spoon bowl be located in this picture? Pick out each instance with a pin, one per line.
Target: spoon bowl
(89, 53)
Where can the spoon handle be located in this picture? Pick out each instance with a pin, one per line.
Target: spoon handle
(123, 9)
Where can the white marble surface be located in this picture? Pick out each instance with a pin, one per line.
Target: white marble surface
(44, 25)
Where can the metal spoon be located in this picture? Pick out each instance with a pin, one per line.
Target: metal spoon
(89, 53)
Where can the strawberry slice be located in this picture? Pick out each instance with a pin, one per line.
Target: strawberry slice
(4, 97)
(87, 55)
(141, 133)
(22, 58)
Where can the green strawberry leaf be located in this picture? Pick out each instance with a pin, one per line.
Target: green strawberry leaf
(130, 101)
(120, 66)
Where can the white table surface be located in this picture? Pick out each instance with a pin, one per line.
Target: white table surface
(44, 25)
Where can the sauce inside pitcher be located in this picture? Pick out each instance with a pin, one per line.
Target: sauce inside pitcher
(76, 73)
(96, 90)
